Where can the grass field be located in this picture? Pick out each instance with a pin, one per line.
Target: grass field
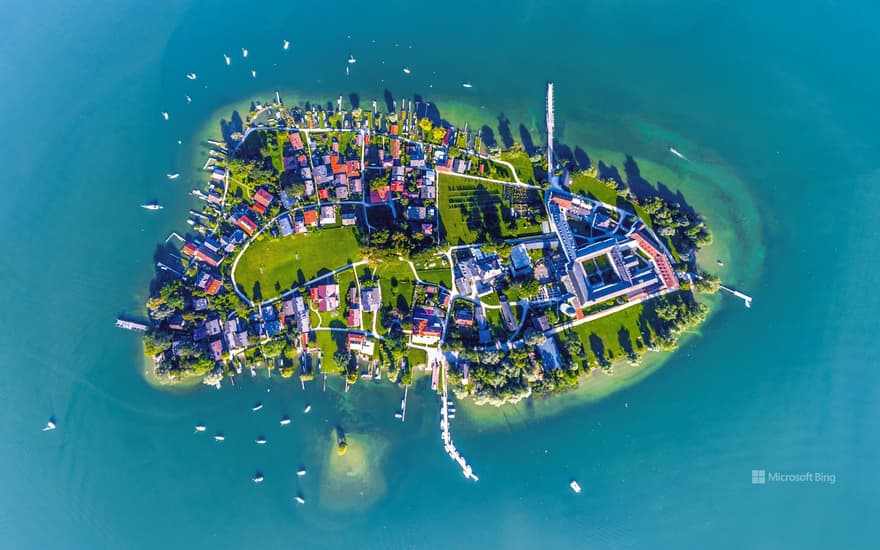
(585, 184)
(614, 335)
(273, 265)
(397, 281)
(523, 166)
(471, 211)
(439, 276)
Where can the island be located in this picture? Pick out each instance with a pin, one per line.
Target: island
(372, 244)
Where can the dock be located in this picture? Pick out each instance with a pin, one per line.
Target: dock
(131, 325)
(448, 445)
(741, 295)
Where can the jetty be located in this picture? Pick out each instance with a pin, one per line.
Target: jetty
(741, 295)
(131, 325)
(448, 445)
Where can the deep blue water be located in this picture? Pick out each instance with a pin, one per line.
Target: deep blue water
(774, 104)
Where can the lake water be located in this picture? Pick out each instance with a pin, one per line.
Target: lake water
(774, 105)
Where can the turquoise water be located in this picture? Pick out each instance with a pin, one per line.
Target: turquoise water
(775, 107)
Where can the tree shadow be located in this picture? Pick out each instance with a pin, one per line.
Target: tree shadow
(526, 139)
(232, 126)
(389, 101)
(504, 131)
(488, 136)
(355, 100)
(625, 340)
(608, 172)
(257, 293)
(598, 348)
(639, 186)
(581, 158)
(300, 277)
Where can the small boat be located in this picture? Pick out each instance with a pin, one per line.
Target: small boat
(676, 153)
(300, 499)
(351, 59)
(254, 73)
(244, 52)
(165, 115)
(152, 206)
(451, 416)
(398, 415)
(191, 76)
(308, 408)
(258, 478)
(406, 70)
(467, 85)
(49, 426)
(200, 428)
(173, 176)
(286, 44)
(719, 262)
(301, 472)
(257, 407)
(227, 59)
(219, 437)
(189, 99)
(285, 421)
(260, 440)
(346, 70)
(191, 221)
(575, 486)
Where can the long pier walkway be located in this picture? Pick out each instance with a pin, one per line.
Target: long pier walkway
(741, 295)
(448, 445)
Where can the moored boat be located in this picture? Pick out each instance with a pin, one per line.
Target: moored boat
(257, 407)
(575, 486)
(200, 428)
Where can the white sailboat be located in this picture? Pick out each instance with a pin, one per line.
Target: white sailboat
(191, 76)
(152, 206)
(189, 100)
(173, 176)
(575, 486)
(285, 421)
(308, 408)
(227, 59)
(406, 70)
(254, 73)
(219, 437)
(286, 44)
(467, 85)
(244, 52)
(257, 407)
(301, 472)
(165, 115)
(200, 428)
(260, 440)
(351, 59)
(258, 478)
(300, 499)
(50, 425)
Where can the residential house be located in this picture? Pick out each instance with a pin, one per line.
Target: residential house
(328, 215)
(371, 298)
(359, 343)
(326, 295)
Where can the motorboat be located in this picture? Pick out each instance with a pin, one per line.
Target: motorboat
(189, 100)
(300, 499)
(575, 486)
(351, 59)
(200, 428)
(219, 437)
(301, 472)
(257, 407)
(346, 70)
(258, 478)
(165, 115)
(308, 408)
(260, 440)
(173, 176)
(675, 152)
(285, 421)
(286, 44)
(244, 52)
(227, 59)
(191, 76)
(49, 426)
(406, 70)
(152, 206)
(467, 85)
(254, 73)
(398, 415)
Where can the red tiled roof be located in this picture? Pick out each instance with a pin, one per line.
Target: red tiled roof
(663, 265)
(310, 216)
(214, 287)
(263, 197)
(323, 193)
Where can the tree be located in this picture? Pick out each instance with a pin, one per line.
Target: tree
(342, 360)
(155, 342)
(426, 125)
(274, 348)
(707, 283)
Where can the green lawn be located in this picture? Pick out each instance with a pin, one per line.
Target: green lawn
(416, 357)
(608, 335)
(440, 276)
(273, 265)
(523, 166)
(585, 184)
(329, 342)
(397, 281)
